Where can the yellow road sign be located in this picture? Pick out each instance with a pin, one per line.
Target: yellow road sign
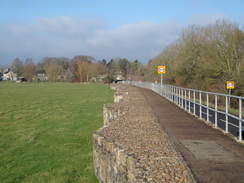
(230, 84)
(161, 69)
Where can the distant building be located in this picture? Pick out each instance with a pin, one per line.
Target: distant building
(119, 77)
(8, 75)
(41, 75)
(102, 77)
(66, 75)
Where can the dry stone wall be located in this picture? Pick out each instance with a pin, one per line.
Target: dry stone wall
(132, 147)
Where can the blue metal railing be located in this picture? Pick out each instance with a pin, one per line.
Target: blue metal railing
(198, 103)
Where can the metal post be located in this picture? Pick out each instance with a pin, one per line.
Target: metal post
(189, 97)
(182, 95)
(179, 100)
(200, 102)
(240, 117)
(161, 80)
(185, 101)
(216, 109)
(229, 98)
(194, 99)
(178, 96)
(167, 91)
(171, 95)
(207, 96)
(226, 114)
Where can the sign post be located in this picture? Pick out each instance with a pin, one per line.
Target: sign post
(230, 85)
(161, 70)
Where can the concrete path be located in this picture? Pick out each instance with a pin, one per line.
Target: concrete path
(212, 156)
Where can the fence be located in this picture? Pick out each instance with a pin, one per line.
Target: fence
(212, 107)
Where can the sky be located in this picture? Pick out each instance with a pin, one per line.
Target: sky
(104, 29)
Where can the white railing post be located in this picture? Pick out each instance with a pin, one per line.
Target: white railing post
(185, 101)
(200, 104)
(240, 117)
(189, 99)
(179, 99)
(194, 99)
(182, 97)
(171, 93)
(168, 91)
(176, 95)
(226, 114)
(216, 113)
(207, 96)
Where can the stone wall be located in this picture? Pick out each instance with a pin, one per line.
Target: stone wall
(132, 147)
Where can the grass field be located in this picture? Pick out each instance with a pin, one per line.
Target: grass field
(46, 131)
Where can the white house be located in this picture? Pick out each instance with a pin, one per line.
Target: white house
(41, 75)
(119, 77)
(9, 76)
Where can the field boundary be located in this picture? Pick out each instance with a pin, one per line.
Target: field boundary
(132, 147)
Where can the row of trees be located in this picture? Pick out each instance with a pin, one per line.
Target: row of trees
(204, 58)
(83, 68)
(28, 69)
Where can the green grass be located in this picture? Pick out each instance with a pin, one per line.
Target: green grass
(46, 131)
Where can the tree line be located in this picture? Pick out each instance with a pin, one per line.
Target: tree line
(84, 69)
(203, 57)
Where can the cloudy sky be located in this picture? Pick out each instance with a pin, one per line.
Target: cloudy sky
(105, 29)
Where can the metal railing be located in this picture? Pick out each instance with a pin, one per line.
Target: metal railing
(212, 107)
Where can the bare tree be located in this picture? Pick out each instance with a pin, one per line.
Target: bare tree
(53, 71)
(82, 71)
(17, 67)
(29, 71)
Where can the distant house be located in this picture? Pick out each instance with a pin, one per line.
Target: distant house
(66, 75)
(119, 77)
(8, 75)
(41, 75)
(102, 77)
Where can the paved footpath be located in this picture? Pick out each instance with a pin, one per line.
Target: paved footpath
(212, 156)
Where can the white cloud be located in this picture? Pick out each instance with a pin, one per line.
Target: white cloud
(142, 40)
(70, 26)
(70, 36)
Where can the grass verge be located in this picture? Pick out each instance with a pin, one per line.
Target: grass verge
(46, 131)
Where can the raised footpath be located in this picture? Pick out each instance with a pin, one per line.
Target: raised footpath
(146, 138)
(212, 156)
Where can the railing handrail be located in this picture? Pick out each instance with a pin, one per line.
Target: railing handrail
(190, 89)
(181, 96)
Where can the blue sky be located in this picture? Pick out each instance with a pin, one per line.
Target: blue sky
(105, 29)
